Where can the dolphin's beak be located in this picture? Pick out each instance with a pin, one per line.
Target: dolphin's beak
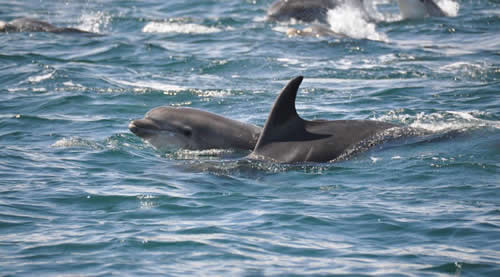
(143, 127)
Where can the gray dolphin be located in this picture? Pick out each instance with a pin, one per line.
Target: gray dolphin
(305, 10)
(317, 10)
(180, 127)
(33, 25)
(288, 138)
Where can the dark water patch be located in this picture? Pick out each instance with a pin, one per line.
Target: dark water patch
(201, 230)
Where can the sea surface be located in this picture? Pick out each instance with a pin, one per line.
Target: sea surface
(80, 195)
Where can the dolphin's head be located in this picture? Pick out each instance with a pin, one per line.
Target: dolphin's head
(168, 127)
(415, 9)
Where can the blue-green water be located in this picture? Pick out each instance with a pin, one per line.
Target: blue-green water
(81, 195)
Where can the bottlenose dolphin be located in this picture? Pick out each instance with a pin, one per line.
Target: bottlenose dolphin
(305, 10)
(317, 10)
(288, 138)
(167, 127)
(33, 25)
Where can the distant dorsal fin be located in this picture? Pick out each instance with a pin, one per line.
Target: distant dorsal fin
(282, 112)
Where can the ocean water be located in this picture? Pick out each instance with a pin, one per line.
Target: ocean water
(81, 195)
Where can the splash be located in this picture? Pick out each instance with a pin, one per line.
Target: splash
(39, 78)
(450, 7)
(373, 10)
(182, 28)
(442, 121)
(480, 70)
(94, 22)
(352, 21)
(76, 142)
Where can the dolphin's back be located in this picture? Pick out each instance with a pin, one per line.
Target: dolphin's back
(29, 25)
(33, 25)
(303, 10)
(288, 138)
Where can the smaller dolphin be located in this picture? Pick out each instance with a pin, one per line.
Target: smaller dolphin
(167, 127)
(317, 10)
(33, 25)
(304, 10)
(290, 139)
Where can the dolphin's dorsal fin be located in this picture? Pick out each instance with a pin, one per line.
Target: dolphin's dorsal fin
(283, 111)
(284, 105)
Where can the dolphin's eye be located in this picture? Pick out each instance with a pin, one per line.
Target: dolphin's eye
(187, 132)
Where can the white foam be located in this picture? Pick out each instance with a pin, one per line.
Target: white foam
(16, 89)
(39, 78)
(152, 85)
(71, 84)
(289, 61)
(460, 65)
(75, 142)
(374, 159)
(473, 70)
(450, 7)
(183, 28)
(350, 20)
(442, 121)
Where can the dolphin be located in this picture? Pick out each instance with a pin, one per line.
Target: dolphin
(305, 10)
(181, 127)
(33, 25)
(317, 10)
(288, 138)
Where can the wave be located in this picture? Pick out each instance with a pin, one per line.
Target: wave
(141, 85)
(39, 78)
(351, 21)
(443, 121)
(76, 142)
(182, 28)
(94, 22)
(450, 7)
